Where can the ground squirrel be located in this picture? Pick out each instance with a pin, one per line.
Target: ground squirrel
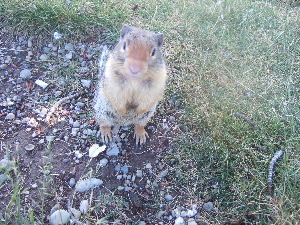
(132, 84)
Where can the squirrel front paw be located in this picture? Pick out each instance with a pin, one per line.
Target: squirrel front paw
(106, 134)
(140, 134)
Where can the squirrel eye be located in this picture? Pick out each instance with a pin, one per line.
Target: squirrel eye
(153, 52)
(124, 46)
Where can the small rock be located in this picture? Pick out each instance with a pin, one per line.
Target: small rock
(78, 154)
(10, 116)
(169, 197)
(84, 206)
(162, 174)
(87, 184)
(59, 217)
(86, 83)
(41, 83)
(179, 221)
(192, 221)
(55, 208)
(113, 150)
(120, 188)
(124, 169)
(95, 150)
(69, 55)
(103, 162)
(44, 57)
(3, 66)
(75, 214)
(191, 212)
(50, 138)
(119, 177)
(29, 147)
(74, 131)
(142, 223)
(72, 182)
(148, 166)
(139, 173)
(69, 46)
(34, 185)
(208, 206)
(57, 35)
(25, 74)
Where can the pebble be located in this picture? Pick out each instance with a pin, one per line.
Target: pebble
(179, 221)
(41, 83)
(119, 177)
(124, 169)
(208, 206)
(86, 83)
(192, 221)
(80, 104)
(75, 214)
(44, 57)
(59, 217)
(103, 162)
(87, 184)
(3, 66)
(69, 55)
(84, 206)
(10, 116)
(142, 223)
(57, 35)
(169, 197)
(34, 185)
(148, 166)
(76, 124)
(162, 174)
(95, 150)
(74, 131)
(29, 43)
(25, 74)
(113, 150)
(29, 147)
(50, 138)
(72, 182)
(191, 212)
(69, 46)
(66, 160)
(139, 173)
(121, 188)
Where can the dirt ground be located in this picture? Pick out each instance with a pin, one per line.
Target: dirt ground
(60, 152)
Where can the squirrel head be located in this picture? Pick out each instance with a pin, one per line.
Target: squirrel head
(139, 50)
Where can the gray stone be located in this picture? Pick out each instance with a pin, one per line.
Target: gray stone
(208, 206)
(139, 173)
(191, 212)
(142, 223)
(86, 83)
(59, 217)
(50, 138)
(69, 46)
(25, 74)
(74, 131)
(169, 197)
(72, 182)
(124, 169)
(148, 166)
(69, 55)
(179, 221)
(76, 124)
(192, 222)
(87, 184)
(162, 174)
(113, 150)
(3, 66)
(29, 147)
(44, 57)
(75, 214)
(120, 188)
(10, 116)
(84, 206)
(29, 43)
(103, 162)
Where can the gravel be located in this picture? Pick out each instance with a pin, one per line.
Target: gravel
(10, 116)
(25, 74)
(208, 206)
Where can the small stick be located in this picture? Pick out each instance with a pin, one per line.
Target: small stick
(56, 105)
(272, 164)
(246, 119)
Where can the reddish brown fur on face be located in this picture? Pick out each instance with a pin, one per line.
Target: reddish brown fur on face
(137, 56)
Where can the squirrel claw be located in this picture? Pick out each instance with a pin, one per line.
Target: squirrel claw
(140, 135)
(106, 134)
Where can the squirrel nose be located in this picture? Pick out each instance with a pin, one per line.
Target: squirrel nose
(135, 68)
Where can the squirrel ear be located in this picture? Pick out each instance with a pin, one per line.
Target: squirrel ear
(125, 29)
(159, 38)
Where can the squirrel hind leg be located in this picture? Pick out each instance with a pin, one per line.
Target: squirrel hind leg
(106, 134)
(140, 134)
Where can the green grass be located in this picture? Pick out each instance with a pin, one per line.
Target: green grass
(225, 57)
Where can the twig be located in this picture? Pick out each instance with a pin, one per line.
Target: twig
(56, 105)
(246, 119)
(272, 164)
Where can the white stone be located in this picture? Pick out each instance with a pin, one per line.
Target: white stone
(41, 83)
(84, 206)
(59, 217)
(95, 150)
